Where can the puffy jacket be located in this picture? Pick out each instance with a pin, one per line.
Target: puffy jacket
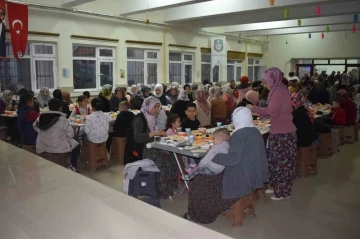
(55, 134)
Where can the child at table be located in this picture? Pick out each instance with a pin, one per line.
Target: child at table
(172, 123)
(81, 108)
(338, 114)
(55, 134)
(206, 166)
(97, 123)
(190, 121)
(123, 120)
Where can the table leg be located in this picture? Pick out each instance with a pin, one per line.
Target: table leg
(182, 173)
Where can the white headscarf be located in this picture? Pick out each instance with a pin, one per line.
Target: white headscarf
(146, 107)
(183, 95)
(158, 86)
(241, 118)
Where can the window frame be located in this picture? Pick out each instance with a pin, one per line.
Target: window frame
(183, 63)
(209, 63)
(254, 65)
(98, 59)
(235, 64)
(39, 57)
(146, 60)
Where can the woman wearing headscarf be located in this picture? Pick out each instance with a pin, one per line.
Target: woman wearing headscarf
(251, 97)
(203, 108)
(8, 104)
(229, 99)
(105, 96)
(218, 108)
(172, 95)
(65, 108)
(133, 90)
(159, 93)
(44, 97)
(246, 169)
(292, 89)
(142, 131)
(282, 139)
(212, 92)
(349, 106)
(179, 106)
(138, 99)
(303, 121)
(243, 88)
(118, 96)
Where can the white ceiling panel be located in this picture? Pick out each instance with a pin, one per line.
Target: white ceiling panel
(74, 3)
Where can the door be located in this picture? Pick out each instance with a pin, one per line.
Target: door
(151, 73)
(188, 73)
(238, 73)
(106, 73)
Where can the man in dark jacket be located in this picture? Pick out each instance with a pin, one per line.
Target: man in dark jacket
(26, 117)
(65, 108)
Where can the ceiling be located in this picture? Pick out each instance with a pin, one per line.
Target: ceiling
(239, 17)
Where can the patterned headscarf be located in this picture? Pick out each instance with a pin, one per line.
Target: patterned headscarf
(202, 101)
(146, 107)
(273, 78)
(183, 95)
(158, 86)
(106, 90)
(217, 92)
(253, 97)
(298, 100)
(172, 98)
(43, 100)
(227, 89)
(4, 97)
(212, 91)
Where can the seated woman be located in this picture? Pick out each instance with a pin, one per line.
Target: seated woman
(172, 95)
(303, 121)
(203, 106)
(44, 97)
(159, 93)
(64, 106)
(81, 108)
(246, 169)
(26, 118)
(229, 98)
(123, 120)
(55, 134)
(8, 104)
(105, 96)
(143, 129)
(137, 100)
(179, 106)
(119, 95)
(218, 108)
(251, 97)
(349, 106)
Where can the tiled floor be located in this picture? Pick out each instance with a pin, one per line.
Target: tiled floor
(323, 206)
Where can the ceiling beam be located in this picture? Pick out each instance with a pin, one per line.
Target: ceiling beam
(289, 23)
(74, 3)
(128, 7)
(300, 12)
(218, 8)
(299, 30)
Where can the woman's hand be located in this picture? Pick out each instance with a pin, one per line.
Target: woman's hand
(15, 107)
(8, 108)
(157, 133)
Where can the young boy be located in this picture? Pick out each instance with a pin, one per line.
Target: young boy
(190, 121)
(123, 120)
(206, 166)
(26, 117)
(339, 114)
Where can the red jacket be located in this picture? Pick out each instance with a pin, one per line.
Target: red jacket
(350, 108)
(339, 116)
(78, 110)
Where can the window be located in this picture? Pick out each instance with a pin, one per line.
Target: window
(35, 70)
(180, 67)
(142, 66)
(254, 69)
(234, 70)
(93, 67)
(206, 69)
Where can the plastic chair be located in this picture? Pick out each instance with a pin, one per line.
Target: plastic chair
(93, 155)
(60, 159)
(118, 149)
(349, 134)
(341, 133)
(240, 210)
(145, 184)
(306, 161)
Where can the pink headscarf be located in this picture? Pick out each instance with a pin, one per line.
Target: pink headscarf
(253, 97)
(273, 78)
(202, 101)
(146, 107)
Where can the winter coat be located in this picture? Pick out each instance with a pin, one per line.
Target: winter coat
(55, 134)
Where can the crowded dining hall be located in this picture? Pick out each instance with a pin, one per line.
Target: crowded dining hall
(170, 119)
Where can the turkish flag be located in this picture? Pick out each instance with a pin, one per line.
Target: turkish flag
(18, 15)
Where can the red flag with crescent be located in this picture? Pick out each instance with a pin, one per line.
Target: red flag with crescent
(18, 15)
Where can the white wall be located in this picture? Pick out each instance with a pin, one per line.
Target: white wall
(68, 24)
(334, 45)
